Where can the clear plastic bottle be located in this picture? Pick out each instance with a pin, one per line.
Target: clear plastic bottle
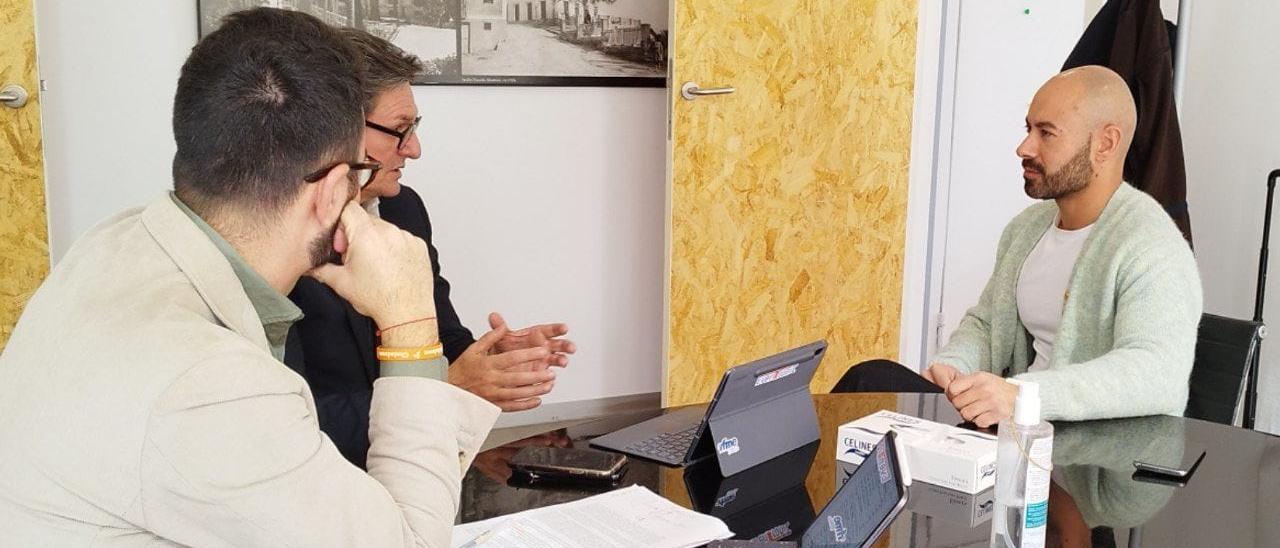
(1024, 460)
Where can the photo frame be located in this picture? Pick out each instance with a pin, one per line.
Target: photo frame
(599, 43)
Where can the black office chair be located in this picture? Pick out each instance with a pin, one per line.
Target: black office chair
(883, 376)
(1224, 349)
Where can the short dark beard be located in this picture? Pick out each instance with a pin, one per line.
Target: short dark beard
(321, 249)
(1072, 177)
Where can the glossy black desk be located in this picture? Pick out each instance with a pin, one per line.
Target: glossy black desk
(1233, 499)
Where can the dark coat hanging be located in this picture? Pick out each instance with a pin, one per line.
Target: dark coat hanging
(1132, 38)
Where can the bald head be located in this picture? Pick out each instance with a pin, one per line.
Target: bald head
(1079, 129)
(1099, 96)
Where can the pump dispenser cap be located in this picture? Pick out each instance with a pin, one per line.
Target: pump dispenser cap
(1026, 409)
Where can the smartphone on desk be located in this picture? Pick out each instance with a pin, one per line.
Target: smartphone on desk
(1165, 465)
(561, 463)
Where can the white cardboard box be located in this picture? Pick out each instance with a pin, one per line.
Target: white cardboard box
(940, 454)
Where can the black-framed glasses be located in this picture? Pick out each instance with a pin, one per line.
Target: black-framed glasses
(402, 136)
(361, 172)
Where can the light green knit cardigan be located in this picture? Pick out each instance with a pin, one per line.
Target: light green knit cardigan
(1128, 332)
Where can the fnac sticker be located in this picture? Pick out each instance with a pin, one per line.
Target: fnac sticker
(727, 446)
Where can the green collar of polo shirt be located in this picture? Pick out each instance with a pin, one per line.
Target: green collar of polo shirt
(272, 307)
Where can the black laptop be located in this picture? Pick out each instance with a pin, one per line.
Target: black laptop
(761, 410)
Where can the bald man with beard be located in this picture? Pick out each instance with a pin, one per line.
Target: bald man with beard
(1094, 295)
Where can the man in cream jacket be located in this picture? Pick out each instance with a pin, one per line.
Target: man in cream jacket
(142, 397)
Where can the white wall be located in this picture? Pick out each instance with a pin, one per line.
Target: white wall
(547, 202)
(1168, 7)
(548, 206)
(1231, 136)
(110, 69)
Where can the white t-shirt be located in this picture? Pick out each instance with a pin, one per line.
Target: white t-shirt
(1042, 287)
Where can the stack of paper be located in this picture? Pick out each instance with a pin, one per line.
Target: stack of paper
(630, 517)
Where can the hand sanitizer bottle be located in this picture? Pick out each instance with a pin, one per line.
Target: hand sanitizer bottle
(1024, 460)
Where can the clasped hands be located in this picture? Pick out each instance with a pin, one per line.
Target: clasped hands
(386, 274)
(512, 369)
(981, 398)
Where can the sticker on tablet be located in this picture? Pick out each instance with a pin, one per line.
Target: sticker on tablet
(779, 373)
(727, 446)
(838, 530)
(882, 464)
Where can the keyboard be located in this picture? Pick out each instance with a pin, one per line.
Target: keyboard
(669, 446)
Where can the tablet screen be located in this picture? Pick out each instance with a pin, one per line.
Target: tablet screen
(865, 505)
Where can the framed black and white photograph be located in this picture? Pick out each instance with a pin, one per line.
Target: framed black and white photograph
(502, 42)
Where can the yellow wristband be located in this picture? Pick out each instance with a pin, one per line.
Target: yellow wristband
(421, 353)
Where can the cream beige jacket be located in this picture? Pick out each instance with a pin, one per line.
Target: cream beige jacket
(140, 406)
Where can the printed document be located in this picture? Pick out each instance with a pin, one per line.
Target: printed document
(626, 518)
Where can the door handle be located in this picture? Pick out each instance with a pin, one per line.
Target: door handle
(691, 91)
(13, 96)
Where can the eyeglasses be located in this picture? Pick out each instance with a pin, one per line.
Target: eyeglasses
(361, 172)
(403, 136)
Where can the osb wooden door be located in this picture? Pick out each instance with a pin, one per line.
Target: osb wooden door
(24, 248)
(788, 196)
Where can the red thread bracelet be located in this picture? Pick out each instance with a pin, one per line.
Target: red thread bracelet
(384, 330)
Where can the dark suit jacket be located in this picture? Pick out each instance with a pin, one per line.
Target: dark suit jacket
(333, 346)
(1131, 37)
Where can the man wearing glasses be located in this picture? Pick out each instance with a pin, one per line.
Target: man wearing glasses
(142, 397)
(332, 347)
